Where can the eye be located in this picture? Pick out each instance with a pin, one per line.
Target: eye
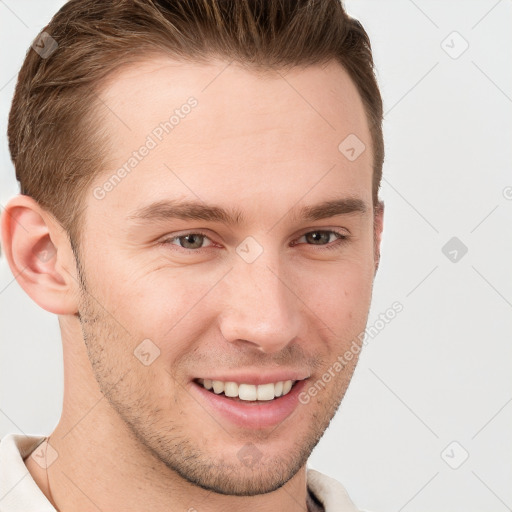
(194, 241)
(189, 241)
(328, 238)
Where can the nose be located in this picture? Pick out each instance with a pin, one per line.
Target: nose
(259, 306)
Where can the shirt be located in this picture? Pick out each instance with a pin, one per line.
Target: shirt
(20, 493)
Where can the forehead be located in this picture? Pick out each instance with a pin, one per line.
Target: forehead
(247, 132)
(150, 88)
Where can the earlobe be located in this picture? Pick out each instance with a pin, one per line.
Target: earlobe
(39, 255)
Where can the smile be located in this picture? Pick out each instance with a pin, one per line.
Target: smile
(248, 392)
(257, 405)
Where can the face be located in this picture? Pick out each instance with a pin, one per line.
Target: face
(237, 247)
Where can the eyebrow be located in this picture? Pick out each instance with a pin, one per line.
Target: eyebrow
(192, 210)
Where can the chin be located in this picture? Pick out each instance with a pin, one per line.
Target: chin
(237, 480)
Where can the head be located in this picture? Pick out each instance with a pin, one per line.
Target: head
(202, 179)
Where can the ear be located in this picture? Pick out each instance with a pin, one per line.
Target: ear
(378, 225)
(40, 255)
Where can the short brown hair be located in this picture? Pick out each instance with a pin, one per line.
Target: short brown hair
(55, 137)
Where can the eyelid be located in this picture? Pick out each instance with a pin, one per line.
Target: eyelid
(342, 236)
(314, 229)
(169, 239)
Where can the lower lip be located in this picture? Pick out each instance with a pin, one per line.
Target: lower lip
(253, 415)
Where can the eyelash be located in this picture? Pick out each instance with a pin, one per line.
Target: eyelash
(341, 239)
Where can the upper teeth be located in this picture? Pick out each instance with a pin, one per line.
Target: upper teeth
(249, 391)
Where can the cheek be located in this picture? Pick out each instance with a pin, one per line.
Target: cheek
(340, 293)
(170, 307)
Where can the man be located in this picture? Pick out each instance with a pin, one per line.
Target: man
(199, 206)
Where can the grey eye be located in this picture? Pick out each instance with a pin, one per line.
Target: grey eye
(318, 237)
(190, 241)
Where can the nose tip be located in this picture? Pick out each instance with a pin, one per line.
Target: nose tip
(266, 331)
(260, 312)
(267, 346)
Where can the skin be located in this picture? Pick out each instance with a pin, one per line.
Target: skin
(130, 436)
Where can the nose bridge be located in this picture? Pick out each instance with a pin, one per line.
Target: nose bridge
(258, 306)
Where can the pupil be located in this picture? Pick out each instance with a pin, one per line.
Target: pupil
(318, 236)
(189, 241)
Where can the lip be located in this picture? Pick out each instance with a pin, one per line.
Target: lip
(250, 415)
(258, 378)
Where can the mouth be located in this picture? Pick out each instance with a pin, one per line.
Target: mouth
(244, 392)
(248, 405)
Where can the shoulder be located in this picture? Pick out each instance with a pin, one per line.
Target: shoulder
(331, 493)
(18, 488)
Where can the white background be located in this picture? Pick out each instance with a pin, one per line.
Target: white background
(441, 370)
